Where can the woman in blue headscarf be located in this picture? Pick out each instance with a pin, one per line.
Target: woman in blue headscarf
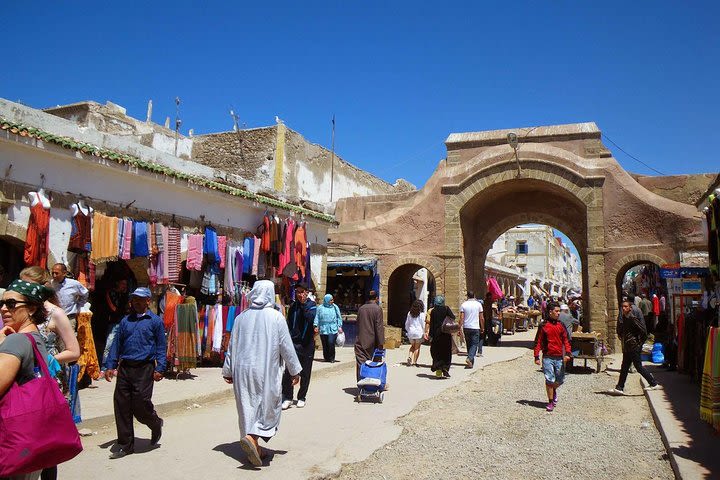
(441, 346)
(328, 323)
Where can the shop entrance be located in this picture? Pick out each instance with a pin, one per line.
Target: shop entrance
(408, 283)
(11, 259)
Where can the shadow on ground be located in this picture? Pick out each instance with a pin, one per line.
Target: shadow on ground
(532, 403)
(234, 451)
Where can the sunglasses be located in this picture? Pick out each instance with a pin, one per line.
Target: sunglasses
(11, 304)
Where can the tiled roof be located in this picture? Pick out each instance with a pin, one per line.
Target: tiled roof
(123, 158)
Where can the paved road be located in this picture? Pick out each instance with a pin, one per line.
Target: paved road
(332, 429)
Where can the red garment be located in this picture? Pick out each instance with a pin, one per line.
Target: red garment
(656, 305)
(265, 245)
(551, 339)
(37, 239)
(80, 233)
(300, 243)
(285, 256)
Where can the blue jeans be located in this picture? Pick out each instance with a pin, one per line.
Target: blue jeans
(474, 343)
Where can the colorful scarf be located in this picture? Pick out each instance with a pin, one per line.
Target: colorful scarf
(104, 239)
(187, 335)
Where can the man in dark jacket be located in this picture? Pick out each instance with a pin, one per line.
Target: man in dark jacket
(300, 318)
(370, 331)
(632, 331)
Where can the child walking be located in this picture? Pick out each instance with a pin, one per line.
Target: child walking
(553, 341)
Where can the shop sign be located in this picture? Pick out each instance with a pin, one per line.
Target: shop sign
(692, 286)
(670, 270)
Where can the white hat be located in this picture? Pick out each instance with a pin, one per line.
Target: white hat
(564, 307)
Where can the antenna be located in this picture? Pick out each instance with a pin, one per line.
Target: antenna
(236, 129)
(178, 122)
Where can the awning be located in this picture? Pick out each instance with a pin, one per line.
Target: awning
(537, 291)
(362, 263)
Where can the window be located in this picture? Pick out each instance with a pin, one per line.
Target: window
(521, 248)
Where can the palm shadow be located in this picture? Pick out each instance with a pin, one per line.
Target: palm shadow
(532, 403)
(234, 451)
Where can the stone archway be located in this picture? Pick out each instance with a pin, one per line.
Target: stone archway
(395, 298)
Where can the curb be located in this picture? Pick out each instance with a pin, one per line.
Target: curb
(107, 421)
(663, 433)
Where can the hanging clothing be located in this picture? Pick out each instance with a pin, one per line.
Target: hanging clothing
(300, 243)
(187, 333)
(264, 234)
(222, 250)
(259, 351)
(126, 245)
(210, 246)
(656, 305)
(88, 360)
(173, 254)
(248, 252)
(104, 238)
(710, 387)
(140, 239)
(37, 239)
(195, 252)
(80, 231)
(256, 256)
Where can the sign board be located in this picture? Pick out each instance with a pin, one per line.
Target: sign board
(692, 286)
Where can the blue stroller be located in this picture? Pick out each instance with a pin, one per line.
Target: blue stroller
(373, 375)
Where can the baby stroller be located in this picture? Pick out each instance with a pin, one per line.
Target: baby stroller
(373, 375)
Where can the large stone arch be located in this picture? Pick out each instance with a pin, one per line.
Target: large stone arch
(554, 195)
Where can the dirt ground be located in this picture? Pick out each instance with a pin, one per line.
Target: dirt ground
(495, 426)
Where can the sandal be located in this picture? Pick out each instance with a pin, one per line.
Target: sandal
(251, 451)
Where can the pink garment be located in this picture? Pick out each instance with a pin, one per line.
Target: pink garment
(195, 252)
(256, 257)
(222, 246)
(127, 239)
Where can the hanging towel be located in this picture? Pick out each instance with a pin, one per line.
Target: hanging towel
(218, 329)
(127, 231)
(173, 254)
(256, 256)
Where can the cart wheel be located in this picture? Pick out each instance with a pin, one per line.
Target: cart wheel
(381, 397)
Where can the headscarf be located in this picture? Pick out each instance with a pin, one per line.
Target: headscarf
(439, 301)
(327, 299)
(32, 291)
(262, 294)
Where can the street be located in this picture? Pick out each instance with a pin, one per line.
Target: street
(493, 411)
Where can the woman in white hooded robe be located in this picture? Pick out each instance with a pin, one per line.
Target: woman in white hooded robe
(260, 349)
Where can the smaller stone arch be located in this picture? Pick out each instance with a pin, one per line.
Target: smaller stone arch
(395, 299)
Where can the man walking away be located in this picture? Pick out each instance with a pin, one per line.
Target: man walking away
(553, 341)
(138, 352)
(370, 331)
(260, 349)
(472, 323)
(631, 329)
(567, 319)
(300, 318)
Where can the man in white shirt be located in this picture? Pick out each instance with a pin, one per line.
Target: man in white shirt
(71, 293)
(472, 323)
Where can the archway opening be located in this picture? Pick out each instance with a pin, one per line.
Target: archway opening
(406, 284)
(11, 259)
(641, 282)
(521, 202)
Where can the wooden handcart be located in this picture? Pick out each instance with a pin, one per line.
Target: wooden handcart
(590, 346)
(514, 322)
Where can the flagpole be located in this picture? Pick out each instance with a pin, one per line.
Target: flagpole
(332, 160)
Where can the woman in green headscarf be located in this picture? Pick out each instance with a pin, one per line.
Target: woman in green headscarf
(441, 347)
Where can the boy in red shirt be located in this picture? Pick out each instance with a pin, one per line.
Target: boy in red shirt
(553, 340)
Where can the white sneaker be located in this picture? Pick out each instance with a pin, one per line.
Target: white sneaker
(652, 387)
(615, 391)
(286, 404)
(300, 403)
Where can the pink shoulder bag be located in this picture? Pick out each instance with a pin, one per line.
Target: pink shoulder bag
(36, 428)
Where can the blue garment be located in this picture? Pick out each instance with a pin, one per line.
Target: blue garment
(248, 251)
(210, 246)
(140, 240)
(474, 343)
(554, 370)
(231, 318)
(328, 319)
(139, 338)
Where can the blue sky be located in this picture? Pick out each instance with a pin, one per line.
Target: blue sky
(398, 76)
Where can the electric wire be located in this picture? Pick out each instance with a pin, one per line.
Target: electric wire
(631, 156)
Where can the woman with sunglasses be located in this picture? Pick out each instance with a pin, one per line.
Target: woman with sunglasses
(22, 311)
